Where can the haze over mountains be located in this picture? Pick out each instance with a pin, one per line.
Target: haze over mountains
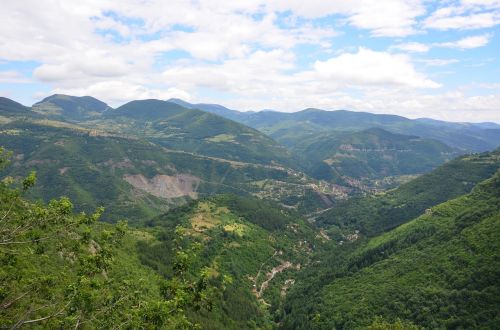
(308, 220)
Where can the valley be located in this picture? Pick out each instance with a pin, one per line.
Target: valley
(242, 227)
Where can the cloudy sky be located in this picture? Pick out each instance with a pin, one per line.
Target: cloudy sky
(416, 58)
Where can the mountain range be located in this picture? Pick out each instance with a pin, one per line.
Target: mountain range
(290, 128)
(320, 155)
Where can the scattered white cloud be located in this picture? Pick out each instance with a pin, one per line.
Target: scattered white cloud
(264, 77)
(490, 86)
(13, 77)
(466, 22)
(413, 47)
(98, 66)
(467, 42)
(466, 15)
(398, 18)
(383, 18)
(462, 44)
(110, 24)
(438, 61)
(255, 74)
(492, 4)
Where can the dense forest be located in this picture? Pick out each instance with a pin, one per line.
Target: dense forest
(439, 270)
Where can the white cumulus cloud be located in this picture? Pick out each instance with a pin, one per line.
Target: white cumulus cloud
(368, 67)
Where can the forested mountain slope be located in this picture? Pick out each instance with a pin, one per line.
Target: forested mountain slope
(260, 246)
(168, 124)
(192, 130)
(371, 154)
(136, 179)
(284, 127)
(440, 270)
(313, 136)
(72, 108)
(291, 128)
(10, 109)
(377, 213)
(64, 270)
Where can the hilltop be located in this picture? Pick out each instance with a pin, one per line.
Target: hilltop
(72, 108)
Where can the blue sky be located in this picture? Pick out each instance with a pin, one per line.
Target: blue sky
(415, 58)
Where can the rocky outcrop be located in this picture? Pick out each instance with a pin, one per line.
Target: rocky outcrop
(165, 186)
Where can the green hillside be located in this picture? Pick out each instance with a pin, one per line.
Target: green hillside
(261, 247)
(166, 123)
(63, 270)
(388, 154)
(272, 122)
(147, 110)
(176, 127)
(372, 153)
(136, 179)
(438, 271)
(72, 108)
(377, 213)
(222, 262)
(285, 127)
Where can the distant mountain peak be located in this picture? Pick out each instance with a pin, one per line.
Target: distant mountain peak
(149, 109)
(62, 106)
(65, 97)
